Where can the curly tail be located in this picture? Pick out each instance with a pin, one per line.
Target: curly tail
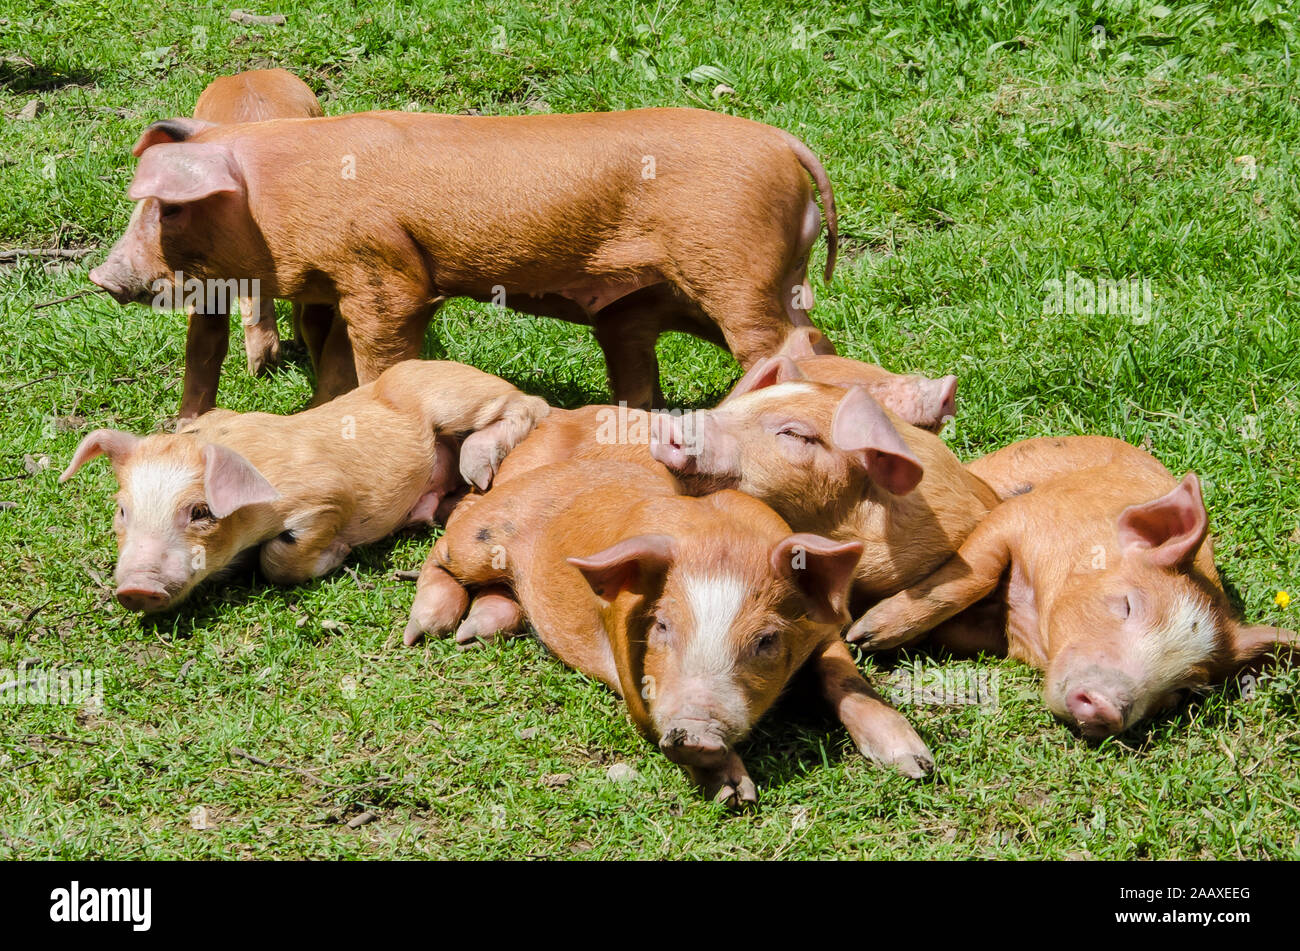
(823, 183)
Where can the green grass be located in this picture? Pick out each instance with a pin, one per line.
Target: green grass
(978, 150)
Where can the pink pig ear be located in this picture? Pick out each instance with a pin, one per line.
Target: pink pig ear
(113, 443)
(822, 571)
(766, 372)
(169, 130)
(1252, 641)
(185, 171)
(804, 342)
(860, 425)
(634, 564)
(1167, 531)
(230, 481)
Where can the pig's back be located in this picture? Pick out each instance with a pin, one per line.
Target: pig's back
(255, 96)
(1032, 463)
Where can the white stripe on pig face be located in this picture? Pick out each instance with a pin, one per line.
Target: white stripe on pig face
(715, 602)
(157, 488)
(1185, 640)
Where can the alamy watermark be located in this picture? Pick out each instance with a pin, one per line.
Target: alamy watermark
(1081, 295)
(212, 296)
(942, 686)
(624, 425)
(51, 687)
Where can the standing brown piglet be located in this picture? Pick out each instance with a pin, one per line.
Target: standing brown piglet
(252, 96)
(698, 612)
(304, 489)
(1098, 570)
(633, 222)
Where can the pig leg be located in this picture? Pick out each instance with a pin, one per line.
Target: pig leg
(493, 612)
(383, 333)
(313, 323)
(336, 371)
(458, 559)
(880, 732)
(261, 336)
(440, 602)
(627, 337)
(970, 575)
(728, 784)
(207, 338)
(308, 548)
(753, 320)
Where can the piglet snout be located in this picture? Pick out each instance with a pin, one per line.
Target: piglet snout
(1096, 714)
(669, 445)
(945, 395)
(694, 743)
(141, 596)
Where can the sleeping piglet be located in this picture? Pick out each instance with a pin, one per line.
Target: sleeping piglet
(698, 612)
(830, 459)
(306, 488)
(1097, 570)
(920, 400)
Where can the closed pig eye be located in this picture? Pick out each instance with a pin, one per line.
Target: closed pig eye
(791, 433)
(201, 513)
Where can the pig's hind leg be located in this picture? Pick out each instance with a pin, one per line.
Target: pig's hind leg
(493, 613)
(880, 732)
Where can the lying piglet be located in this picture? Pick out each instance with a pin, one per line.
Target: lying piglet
(1101, 576)
(915, 399)
(696, 611)
(605, 433)
(306, 488)
(830, 460)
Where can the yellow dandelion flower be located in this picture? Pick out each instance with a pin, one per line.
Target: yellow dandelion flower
(1282, 599)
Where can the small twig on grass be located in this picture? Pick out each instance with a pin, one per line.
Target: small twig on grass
(65, 254)
(60, 738)
(305, 773)
(404, 575)
(255, 19)
(23, 386)
(64, 300)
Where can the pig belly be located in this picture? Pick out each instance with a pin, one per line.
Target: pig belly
(576, 303)
(443, 479)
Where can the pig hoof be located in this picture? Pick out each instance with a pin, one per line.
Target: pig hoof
(915, 767)
(426, 619)
(742, 796)
(914, 764)
(260, 364)
(861, 632)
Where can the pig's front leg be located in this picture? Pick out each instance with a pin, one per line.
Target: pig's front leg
(880, 732)
(968, 576)
(207, 338)
(383, 332)
(728, 783)
(308, 547)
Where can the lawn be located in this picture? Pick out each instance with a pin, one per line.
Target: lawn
(979, 150)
